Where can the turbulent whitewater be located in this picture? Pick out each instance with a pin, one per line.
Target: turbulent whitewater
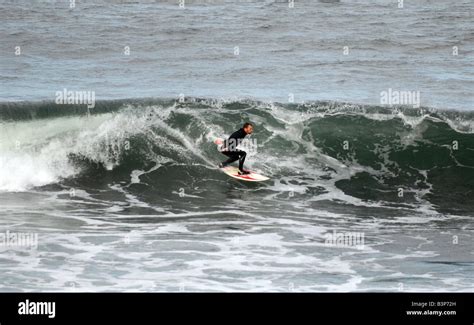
(131, 183)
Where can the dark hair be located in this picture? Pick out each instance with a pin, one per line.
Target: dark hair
(246, 124)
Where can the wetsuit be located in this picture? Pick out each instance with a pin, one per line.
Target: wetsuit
(229, 148)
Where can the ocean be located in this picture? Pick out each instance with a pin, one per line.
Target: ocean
(363, 120)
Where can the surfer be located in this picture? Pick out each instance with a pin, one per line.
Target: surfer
(229, 148)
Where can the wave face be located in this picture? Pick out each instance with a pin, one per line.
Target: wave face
(392, 157)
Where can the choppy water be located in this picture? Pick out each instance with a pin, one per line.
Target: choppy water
(125, 195)
(281, 51)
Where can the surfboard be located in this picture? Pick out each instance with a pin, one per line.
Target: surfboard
(252, 177)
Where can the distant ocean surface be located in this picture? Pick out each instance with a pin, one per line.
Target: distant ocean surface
(125, 195)
(280, 50)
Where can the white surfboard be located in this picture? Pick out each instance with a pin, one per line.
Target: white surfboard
(252, 177)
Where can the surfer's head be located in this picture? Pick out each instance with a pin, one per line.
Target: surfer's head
(248, 128)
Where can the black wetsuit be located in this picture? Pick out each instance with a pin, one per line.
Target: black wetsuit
(229, 148)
